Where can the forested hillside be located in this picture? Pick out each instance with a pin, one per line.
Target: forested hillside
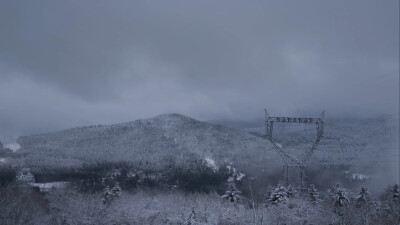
(171, 141)
(164, 140)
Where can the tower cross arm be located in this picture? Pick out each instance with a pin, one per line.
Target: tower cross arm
(294, 120)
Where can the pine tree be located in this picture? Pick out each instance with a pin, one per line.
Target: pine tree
(364, 205)
(396, 193)
(313, 194)
(116, 190)
(233, 194)
(339, 195)
(107, 195)
(290, 191)
(363, 196)
(277, 195)
(110, 195)
(395, 204)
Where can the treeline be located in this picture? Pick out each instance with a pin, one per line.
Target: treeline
(198, 177)
(7, 175)
(193, 176)
(279, 205)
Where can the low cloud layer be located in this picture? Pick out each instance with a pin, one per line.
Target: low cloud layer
(71, 63)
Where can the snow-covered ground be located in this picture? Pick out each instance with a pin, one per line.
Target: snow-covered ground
(43, 187)
(13, 146)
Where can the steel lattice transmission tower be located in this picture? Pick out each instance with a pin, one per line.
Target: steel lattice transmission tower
(289, 161)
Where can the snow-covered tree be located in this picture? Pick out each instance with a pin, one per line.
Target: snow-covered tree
(396, 193)
(277, 195)
(313, 194)
(116, 190)
(393, 206)
(107, 195)
(290, 191)
(340, 198)
(195, 218)
(233, 194)
(339, 195)
(363, 196)
(389, 210)
(110, 194)
(365, 207)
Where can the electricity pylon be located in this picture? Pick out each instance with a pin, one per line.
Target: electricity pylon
(288, 160)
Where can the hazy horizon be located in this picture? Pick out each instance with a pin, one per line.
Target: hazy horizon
(65, 64)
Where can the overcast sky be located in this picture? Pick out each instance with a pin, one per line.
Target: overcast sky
(72, 63)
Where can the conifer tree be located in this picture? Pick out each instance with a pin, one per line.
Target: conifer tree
(107, 195)
(290, 191)
(116, 190)
(364, 205)
(277, 195)
(363, 196)
(233, 194)
(396, 193)
(313, 194)
(339, 195)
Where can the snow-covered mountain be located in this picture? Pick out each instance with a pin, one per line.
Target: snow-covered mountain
(169, 139)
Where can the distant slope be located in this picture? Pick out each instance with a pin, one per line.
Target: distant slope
(364, 142)
(169, 139)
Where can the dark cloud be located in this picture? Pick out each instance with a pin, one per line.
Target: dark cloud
(66, 63)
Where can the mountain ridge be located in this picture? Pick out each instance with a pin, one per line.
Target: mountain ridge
(160, 140)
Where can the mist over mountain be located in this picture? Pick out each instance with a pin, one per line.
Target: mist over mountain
(176, 141)
(172, 153)
(179, 88)
(161, 140)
